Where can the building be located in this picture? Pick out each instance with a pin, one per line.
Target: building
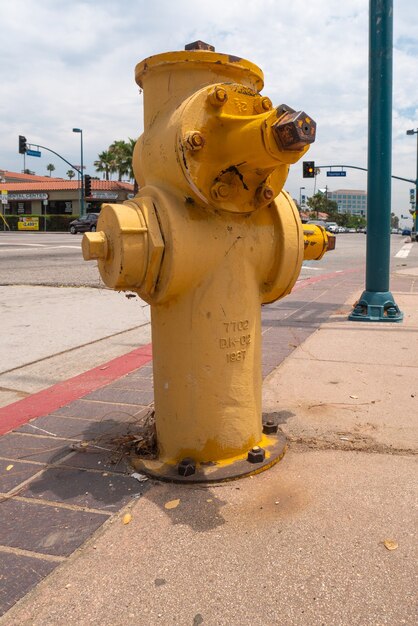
(26, 194)
(350, 201)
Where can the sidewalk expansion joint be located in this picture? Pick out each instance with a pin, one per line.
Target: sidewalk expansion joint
(34, 555)
(58, 505)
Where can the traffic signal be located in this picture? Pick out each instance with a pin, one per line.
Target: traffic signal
(309, 169)
(22, 144)
(87, 185)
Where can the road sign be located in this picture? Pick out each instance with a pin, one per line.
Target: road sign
(36, 153)
(331, 173)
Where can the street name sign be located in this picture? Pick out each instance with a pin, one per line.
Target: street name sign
(336, 173)
(36, 153)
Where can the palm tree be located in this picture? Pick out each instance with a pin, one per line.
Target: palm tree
(130, 155)
(130, 146)
(106, 163)
(119, 150)
(118, 158)
(70, 174)
(50, 167)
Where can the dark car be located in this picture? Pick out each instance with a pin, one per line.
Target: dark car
(406, 232)
(83, 224)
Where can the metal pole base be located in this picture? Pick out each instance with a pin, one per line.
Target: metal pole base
(255, 461)
(376, 306)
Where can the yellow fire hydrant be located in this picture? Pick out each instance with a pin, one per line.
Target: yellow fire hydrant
(209, 238)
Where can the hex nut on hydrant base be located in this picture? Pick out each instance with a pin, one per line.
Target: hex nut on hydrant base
(209, 238)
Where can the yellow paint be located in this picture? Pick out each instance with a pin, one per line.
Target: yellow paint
(208, 239)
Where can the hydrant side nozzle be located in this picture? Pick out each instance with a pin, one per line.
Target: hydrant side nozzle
(317, 241)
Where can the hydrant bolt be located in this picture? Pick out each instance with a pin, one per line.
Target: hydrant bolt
(265, 193)
(263, 104)
(218, 96)
(269, 427)
(195, 140)
(186, 467)
(220, 191)
(256, 455)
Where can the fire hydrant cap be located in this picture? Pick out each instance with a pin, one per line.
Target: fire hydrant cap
(185, 58)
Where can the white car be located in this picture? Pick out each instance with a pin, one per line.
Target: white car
(332, 227)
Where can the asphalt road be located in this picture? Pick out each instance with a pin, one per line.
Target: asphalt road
(50, 259)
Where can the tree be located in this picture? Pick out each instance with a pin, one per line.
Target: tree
(320, 203)
(50, 167)
(394, 221)
(70, 174)
(122, 155)
(106, 163)
(117, 158)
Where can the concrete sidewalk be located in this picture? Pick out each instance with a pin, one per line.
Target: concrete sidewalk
(49, 334)
(300, 544)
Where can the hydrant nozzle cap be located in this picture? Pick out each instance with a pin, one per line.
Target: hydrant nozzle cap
(94, 246)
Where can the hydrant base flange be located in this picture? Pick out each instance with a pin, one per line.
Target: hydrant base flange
(214, 472)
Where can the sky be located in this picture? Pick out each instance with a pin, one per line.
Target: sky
(66, 65)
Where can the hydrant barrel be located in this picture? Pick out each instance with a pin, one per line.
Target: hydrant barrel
(209, 238)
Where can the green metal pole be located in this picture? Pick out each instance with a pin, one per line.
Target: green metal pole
(415, 221)
(376, 303)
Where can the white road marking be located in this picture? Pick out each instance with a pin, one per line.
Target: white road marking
(13, 248)
(404, 251)
(35, 245)
(309, 267)
(72, 247)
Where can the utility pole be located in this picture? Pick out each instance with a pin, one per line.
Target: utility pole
(376, 303)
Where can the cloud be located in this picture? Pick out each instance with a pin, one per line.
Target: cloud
(68, 65)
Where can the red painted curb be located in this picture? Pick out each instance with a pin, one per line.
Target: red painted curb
(51, 399)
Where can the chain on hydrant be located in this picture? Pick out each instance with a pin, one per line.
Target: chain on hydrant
(209, 238)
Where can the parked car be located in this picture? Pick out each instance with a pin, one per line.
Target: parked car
(332, 227)
(406, 232)
(318, 223)
(83, 224)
